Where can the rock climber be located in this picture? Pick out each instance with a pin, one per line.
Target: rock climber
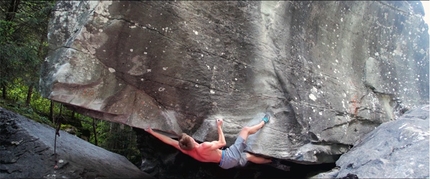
(210, 151)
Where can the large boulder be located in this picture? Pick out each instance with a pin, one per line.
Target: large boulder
(28, 150)
(329, 72)
(396, 149)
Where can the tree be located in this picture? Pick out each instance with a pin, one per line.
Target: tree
(6, 31)
(23, 29)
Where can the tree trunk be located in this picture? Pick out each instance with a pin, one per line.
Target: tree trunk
(39, 54)
(29, 93)
(4, 92)
(111, 142)
(61, 110)
(51, 112)
(13, 8)
(94, 131)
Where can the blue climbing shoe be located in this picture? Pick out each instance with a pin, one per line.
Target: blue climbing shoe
(266, 118)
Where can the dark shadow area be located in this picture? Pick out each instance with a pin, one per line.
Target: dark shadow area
(163, 161)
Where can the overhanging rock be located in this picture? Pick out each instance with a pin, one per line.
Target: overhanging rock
(329, 71)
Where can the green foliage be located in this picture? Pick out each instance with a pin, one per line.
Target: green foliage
(28, 112)
(5, 31)
(17, 61)
(22, 39)
(16, 103)
(120, 139)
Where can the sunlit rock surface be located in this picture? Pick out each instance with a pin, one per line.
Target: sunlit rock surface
(329, 72)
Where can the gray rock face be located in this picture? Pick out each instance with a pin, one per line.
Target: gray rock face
(329, 72)
(27, 151)
(396, 149)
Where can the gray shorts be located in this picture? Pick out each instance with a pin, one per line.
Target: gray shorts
(234, 155)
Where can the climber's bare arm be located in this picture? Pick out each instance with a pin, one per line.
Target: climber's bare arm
(221, 139)
(165, 139)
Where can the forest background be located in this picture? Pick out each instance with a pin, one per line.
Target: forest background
(23, 48)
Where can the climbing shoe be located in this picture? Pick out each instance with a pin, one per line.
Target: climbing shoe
(266, 118)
